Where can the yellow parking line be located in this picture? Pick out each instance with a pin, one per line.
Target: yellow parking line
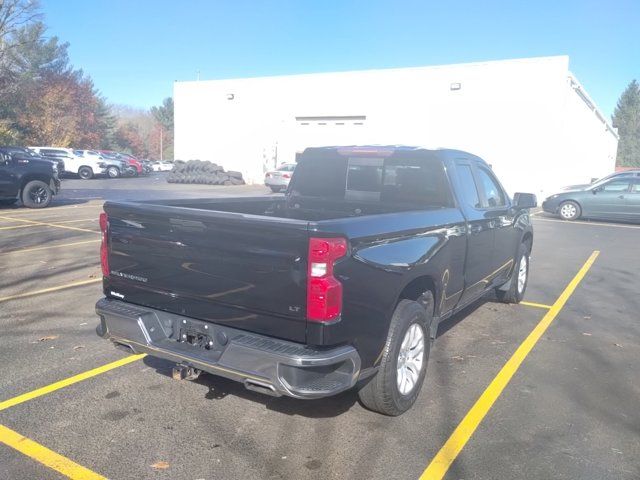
(48, 290)
(50, 209)
(537, 305)
(47, 457)
(49, 224)
(25, 250)
(36, 225)
(440, 464)
(25, 397)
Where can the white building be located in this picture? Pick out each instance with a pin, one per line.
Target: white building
(529, 118)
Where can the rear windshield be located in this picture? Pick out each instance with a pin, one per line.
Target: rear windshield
(414, 181)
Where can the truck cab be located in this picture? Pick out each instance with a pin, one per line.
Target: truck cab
(26, 176)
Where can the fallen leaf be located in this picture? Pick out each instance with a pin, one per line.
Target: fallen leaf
(93, 275)
(78, 347)
(48, 337)
(160, 465)
(83, 323)
(587, 317)
(618, 345)
(586, 334)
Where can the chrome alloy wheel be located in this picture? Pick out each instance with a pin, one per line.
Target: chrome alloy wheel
(522, 273)
(568, 210)
(410, 359)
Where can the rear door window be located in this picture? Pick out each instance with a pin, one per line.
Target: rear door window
(469, 187)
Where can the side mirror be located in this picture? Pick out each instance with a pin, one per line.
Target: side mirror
(525, 200)
(596, 190)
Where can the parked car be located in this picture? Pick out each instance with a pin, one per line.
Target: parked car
(26, 176)
(634, 172)
(614, 198)
(136, 166)
(85, 168)
(341, 282)
(278, 180)
(127, 170)
(158, 166)
(147, 166)
(133, 161)
(115, 167)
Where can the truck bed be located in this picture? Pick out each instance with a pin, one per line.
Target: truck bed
(240, 262)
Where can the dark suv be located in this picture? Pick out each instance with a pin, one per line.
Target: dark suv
(27, 176)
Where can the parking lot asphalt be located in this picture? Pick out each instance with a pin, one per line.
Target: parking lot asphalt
(569, 410)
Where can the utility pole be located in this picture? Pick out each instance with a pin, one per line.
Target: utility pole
(161, 149)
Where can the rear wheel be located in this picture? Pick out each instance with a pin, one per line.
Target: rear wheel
(36, 194)
(519, 278)
(569, 210)
(113, 172)
(397, 384)
(85, 173)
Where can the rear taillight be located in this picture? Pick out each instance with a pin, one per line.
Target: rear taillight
(324, 291)
(286, 175)
(104, 252)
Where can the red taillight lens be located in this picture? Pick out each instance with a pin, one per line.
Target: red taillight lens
(324, 291)
(286, 175)
(104, 252)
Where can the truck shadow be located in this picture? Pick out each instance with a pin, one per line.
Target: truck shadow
(220, 388)
(455, 319)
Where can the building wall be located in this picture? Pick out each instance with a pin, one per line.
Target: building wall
(519, 115)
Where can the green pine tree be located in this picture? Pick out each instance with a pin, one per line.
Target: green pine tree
(626, 118)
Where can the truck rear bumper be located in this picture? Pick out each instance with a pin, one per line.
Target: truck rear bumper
(262, 363)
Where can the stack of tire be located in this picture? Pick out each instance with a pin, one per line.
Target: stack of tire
(203, 172)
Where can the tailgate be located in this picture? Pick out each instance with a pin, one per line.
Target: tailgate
(244, 271)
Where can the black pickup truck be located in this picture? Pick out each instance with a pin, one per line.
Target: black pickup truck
(340, 283)
(27, 176)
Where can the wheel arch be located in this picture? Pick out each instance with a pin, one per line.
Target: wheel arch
(33, 176)
(416, 287)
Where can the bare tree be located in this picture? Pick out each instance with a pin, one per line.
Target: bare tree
(14, 15)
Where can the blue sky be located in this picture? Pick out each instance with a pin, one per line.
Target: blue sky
(134, 50)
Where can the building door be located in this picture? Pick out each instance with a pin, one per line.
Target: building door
(323, 131)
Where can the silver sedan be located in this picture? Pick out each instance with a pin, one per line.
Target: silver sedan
(278, 180)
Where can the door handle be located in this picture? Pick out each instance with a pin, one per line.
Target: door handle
(621, 196)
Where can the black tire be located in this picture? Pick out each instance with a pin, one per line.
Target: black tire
(276, 189)
(569, 210)
(85, 173)
(36, 194)
(515, 290)
(113, 172)
(8, 202)
(381, 394)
